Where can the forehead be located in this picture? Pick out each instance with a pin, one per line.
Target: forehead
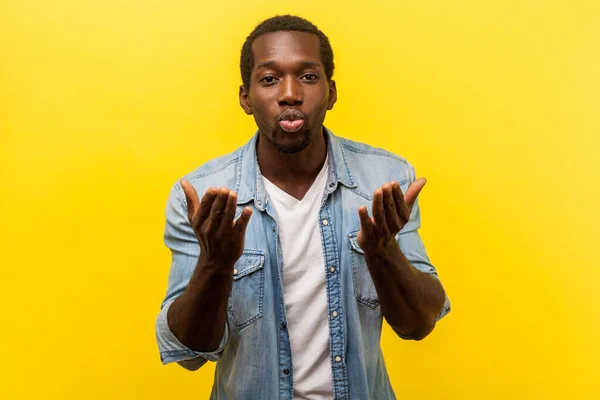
(286, 46)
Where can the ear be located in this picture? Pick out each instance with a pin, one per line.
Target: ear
(332, 95)
(245, 101)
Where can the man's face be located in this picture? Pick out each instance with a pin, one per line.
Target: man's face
(289, 93)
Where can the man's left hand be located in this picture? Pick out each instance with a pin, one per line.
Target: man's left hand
(391, 211)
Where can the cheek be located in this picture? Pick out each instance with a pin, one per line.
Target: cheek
(265, 107)
(261, 121)
(325, 100)
(320, 101)
(321, 108)
(264, 119)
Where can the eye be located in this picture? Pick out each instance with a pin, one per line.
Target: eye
(310, 77)
(268, 79)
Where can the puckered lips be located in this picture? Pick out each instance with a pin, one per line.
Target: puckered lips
(291, 120)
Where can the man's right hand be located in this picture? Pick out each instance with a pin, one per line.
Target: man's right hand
(221, 239)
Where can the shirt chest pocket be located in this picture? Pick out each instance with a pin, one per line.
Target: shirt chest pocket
(247, 291)
(364, 288)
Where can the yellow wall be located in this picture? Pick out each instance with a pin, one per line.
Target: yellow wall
(104, 104)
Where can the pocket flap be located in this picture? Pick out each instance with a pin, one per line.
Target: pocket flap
(353, 243)
(250, 261)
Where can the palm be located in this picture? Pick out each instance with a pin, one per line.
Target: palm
(221, 239)
(391, 211)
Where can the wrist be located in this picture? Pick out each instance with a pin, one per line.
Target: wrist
(210, 275)
(214, 267)
(389, 251)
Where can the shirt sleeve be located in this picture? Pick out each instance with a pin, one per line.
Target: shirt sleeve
(179, 237)
(172, 350)
(413, 249)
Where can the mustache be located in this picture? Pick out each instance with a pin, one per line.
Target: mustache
(291, 114)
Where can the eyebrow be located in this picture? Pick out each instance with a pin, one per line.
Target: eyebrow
(304, 64)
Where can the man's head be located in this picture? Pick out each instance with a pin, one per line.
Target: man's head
(280, 24)
(287, 66)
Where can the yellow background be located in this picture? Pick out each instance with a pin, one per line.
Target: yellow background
(104, 104)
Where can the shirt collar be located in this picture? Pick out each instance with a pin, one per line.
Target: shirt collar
(250, 186)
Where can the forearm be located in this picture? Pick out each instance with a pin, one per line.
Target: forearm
(198, 317)
(410, 299)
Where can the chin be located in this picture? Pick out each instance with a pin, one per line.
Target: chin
(299, 141)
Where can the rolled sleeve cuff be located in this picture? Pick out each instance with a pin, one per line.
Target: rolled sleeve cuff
(172, 350)
(445, 310)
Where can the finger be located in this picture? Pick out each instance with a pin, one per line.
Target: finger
(216, 211)
(239, 227)
(366, 225)
(401, 207)
(381, 227)
(228, 213)
(205, 205)
(191, 198)
(389, 205)
(413, 191)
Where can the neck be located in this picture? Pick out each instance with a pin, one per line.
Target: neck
(292, 169)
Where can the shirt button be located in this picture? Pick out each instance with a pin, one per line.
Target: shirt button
(259, 202)
(286, 371)
(283, 325)
(335, 314)
(325, 222)
(235, 272)
(274, 229)
(332, 269)
(331, 184)
(338, 358)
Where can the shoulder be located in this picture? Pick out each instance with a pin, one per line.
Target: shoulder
(359, 150)
(215, 166)
(217, 172)
(372, 166)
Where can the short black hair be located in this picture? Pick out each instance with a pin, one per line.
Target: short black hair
(281, 23)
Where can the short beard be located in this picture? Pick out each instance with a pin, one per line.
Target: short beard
(291, 149)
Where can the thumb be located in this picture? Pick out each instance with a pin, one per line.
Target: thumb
(239, 227)
(191, 197)
(413, 191)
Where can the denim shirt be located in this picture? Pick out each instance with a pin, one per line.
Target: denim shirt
(254, 357)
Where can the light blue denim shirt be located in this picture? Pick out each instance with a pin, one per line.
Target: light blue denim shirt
(254, 358)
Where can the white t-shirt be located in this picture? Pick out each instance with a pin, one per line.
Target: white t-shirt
(304, 291)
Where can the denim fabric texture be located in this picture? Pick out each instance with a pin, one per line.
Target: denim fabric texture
(255, 348)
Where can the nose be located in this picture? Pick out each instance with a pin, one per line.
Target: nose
(291, 92)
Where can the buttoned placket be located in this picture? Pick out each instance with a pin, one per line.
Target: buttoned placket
(286, 375)
(334, 294)
(333, 285)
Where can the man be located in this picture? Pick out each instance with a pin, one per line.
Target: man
(278, 272)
